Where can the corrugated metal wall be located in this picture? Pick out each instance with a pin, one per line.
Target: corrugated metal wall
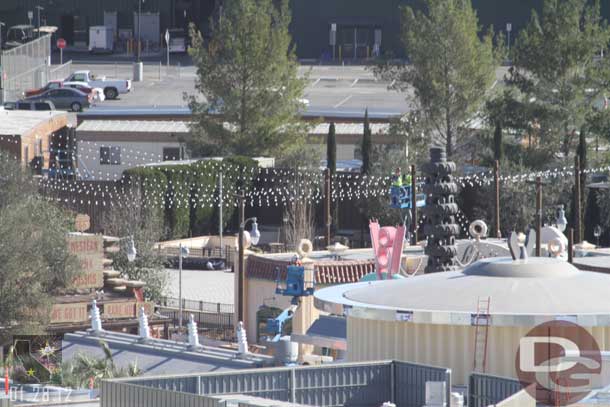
(484, 390)
(351, 384)
(122, 394)
(410, 380)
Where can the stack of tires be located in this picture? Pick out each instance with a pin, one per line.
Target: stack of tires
(440, 228)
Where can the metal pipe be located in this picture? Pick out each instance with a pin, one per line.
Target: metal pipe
(240, 273)
(577, 203)
(570, 245)
(180, 287)
(413, 207)
(497, 197)
(139, 27)
(538, 216)
(328, 197)
(220, 204)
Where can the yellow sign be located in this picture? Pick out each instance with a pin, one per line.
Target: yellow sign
(89, 250)
(82, 222)
(62, 313)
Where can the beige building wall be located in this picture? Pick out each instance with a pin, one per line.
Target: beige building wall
(449, 346)
(133, 154)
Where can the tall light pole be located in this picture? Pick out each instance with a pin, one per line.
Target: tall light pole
(39, 8)
(139, 26)
(1, 25)
(220, 204)
(183, 252)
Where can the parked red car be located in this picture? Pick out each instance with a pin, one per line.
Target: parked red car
(56, 85)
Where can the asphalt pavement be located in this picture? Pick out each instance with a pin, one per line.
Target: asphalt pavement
(332, 90)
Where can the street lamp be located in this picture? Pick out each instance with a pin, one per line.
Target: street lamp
(254, 238)
(561, 220)
(1, 25)
(182, 253)
(131, 250)
(139, 26)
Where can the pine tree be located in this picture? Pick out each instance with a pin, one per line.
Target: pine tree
(451, 66)
(247, 73)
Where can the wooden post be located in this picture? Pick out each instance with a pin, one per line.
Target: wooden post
(328, 200)
(497, 197)
(570, 244)
(240, 266)
(577, 206)
(413, 206)
(538, 215)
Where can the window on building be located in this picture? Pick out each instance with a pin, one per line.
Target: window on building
(171, 154)
(110, 155)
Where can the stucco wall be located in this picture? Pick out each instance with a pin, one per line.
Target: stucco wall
(440, 345)
(132, 155)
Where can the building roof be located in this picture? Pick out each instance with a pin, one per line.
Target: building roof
(134, 126)
(327, 331)
(523, 293)
(325, 271)
(160, 356)
(350, 128)
(23, 122)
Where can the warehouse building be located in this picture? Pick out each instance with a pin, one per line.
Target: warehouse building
(362, 27)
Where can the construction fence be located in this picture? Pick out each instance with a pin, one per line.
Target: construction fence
(485, 390)
(25, 67)
(346, 384)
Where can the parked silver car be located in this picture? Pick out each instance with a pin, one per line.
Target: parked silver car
(65, 98)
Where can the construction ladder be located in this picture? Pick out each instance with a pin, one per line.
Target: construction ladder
(481, 323)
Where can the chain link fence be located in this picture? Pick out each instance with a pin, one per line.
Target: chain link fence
(25, 67)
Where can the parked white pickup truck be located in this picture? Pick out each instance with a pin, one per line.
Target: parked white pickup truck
(112, 87)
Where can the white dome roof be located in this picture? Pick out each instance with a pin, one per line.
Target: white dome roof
(521, 292)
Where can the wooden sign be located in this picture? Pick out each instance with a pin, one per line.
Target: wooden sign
(114, 310)
(89, 250)
(64, 313)
(82, 222)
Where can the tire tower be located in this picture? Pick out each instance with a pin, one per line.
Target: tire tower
(440, 210)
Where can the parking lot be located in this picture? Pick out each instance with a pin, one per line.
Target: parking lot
(334, 89)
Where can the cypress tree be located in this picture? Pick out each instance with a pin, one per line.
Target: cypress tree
(331, 149)
(498, 147)
(366, 145)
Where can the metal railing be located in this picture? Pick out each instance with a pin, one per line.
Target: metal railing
(60, 72)
(214, 320)
(349, 384)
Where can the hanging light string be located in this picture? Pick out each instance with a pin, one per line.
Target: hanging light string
(263, 186)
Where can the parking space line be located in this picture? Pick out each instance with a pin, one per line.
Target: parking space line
(315, 82)
(353, 83)
(343, 101)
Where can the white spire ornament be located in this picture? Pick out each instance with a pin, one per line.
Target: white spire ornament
(143, 329)
(96, 320)
(193, 333)
(242, 339)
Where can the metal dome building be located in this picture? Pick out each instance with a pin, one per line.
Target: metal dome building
(429, 319)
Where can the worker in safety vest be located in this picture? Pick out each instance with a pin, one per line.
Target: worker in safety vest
(406, 179)
(397, 178)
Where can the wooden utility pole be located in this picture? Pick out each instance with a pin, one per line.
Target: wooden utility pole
(328, 206)
(240, 267)
(577, 211)
(497, 197)
(538, 215)
(413, 206)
